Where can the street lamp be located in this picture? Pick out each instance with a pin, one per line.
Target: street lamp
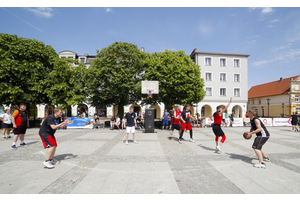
(268, 102)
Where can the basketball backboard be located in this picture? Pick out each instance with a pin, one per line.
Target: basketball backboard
(150, 86)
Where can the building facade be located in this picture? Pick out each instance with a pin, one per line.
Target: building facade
(276, 99)
(225, 76)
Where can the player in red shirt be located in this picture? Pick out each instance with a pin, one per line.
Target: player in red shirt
(217, 125)
(176, 123)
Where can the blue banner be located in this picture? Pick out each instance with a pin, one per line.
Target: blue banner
(77, 122)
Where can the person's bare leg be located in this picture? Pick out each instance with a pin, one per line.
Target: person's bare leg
(15, 138)
(50, 153)
(263, 153)
(259, 155)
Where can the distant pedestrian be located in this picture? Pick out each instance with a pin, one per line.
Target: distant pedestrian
(20, 123)
(295, 119)
(165, 119)
(262, 136)
(124, 121)
(7, 124)
(217, 125)
(130, 125)
(112, 121)
(231, 119)
(46, 133)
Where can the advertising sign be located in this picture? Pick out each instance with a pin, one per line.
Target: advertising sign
(238, 122)
(282, 122)
(266, 121)
(77, 122)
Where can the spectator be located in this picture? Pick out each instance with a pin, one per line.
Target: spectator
(117, 123)
(7, 124)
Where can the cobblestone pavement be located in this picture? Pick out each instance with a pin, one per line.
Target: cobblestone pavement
(98, 161)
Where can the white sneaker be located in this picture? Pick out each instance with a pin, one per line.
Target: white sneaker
(54, 162)
(219, 148)
(135, 142)
(126, 142)
(191, 140)
(260, 165)
(48, 165)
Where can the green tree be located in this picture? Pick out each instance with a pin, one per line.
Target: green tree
(179, 78)
(65, 85)
(24, 64)
(114, 77)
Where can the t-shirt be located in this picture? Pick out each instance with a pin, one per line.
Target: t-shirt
(130, 119)
(264, 132)
(186, 115)
(217, 118)
(46, 128)
(6, 116)
(178, 114)
(20, 118)
(166, 115)
(295, 118)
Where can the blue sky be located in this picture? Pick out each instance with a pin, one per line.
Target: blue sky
(270, 35)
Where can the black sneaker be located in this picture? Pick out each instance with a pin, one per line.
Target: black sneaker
(23, 144)
(14, 147)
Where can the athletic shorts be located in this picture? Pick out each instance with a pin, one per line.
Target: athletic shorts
(20, 130)
(130, 129)
(186, 126)
(217, 130)
(7, 125)
(48, 140)
(259, 142)
(175, 126)
(294, 123)
(165, 122)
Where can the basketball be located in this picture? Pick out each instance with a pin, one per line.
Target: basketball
(246, 136)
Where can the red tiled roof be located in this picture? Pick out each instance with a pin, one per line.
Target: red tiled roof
(271, 89)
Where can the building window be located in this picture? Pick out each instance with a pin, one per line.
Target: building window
(63, 57)
(222, 62)
(208, 61)
(236, 63)
(82, 60)
(222, 77)
(208, 91)
(237, 78)
(259, 101)
(296, 98)
(208, 76)
(237, 92)
(222, 91)
(252, 101)
(71, 58)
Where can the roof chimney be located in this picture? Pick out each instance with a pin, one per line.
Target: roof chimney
(280, 79)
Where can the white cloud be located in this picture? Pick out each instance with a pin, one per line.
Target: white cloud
(267, 10)
(285, 56)
(108, 10)
(41, 12)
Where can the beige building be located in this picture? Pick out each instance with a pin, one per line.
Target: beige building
(275, 99)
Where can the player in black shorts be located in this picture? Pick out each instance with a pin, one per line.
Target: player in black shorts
(47, 131)
(258, 128)
(295, 121)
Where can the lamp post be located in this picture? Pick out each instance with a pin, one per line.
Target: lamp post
(282, 109)
(268, 102)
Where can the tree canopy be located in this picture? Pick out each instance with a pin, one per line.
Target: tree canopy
(179, 78)
(24, 63)
(114, 77)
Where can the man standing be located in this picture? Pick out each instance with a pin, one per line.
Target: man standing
(130, 124)
(231, 119)
(47, 131)
(165, 119)
(20, 123)
(186, 117)
(294, 119)
(258, 128)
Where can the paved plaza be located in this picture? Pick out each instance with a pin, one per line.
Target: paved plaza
(97, 161)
